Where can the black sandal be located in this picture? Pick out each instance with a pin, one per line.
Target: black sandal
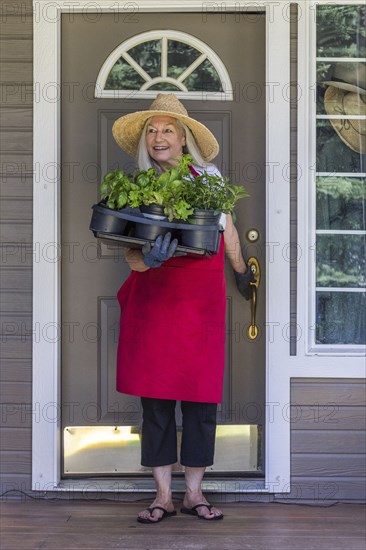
(193, 512)
(166, 514)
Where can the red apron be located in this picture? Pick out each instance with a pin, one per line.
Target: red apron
(172, 331)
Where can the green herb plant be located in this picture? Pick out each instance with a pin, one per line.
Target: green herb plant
(115, 189)
(166, 189)
(174, 189)
(213, 192)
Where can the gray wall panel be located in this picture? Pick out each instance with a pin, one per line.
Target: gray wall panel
(328, 440)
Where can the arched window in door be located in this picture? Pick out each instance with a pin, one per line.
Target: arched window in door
(164, 60)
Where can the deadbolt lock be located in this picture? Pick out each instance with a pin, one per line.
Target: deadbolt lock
(252, 235)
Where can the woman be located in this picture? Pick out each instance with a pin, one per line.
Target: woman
(172, 334)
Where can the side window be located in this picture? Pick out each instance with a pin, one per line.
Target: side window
(164, 61)
(340, 271)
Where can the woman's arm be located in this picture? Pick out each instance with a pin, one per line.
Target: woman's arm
(232, 246)
(135, 260)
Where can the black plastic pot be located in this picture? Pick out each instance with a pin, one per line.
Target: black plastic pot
(204, 232)
(107, 220)
(149, 231)
(129, 225)
(153, 211)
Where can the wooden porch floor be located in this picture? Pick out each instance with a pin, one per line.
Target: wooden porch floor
(101, 525)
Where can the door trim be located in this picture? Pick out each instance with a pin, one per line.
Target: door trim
(46, 233)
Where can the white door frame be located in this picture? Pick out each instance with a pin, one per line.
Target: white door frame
(280, 367)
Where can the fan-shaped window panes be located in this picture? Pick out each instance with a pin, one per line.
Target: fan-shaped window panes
(148, 56)
(122, 74)
(180, 57)
(165, 87)
(164, 61)
(205, 78)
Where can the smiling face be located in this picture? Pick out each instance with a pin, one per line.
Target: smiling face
(165, 140)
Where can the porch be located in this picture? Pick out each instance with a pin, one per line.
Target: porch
(100, 524)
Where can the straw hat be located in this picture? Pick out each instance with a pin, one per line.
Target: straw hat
(127, 129)
(349, 76)
(338, 101)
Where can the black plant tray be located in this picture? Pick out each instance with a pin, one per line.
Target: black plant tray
(133, 242)
(118, 226)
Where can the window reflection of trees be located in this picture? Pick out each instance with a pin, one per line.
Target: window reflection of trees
(341, 31)
(123, 76)
(148, 56)
(332, 155)
(341, 318)
(340, 203)
(340, 200)
(340, 261)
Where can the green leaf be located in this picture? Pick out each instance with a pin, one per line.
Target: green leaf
(122, 200)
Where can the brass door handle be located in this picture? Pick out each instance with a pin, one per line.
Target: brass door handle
(253, 265)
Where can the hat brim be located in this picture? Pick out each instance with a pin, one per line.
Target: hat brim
(344, 86)
(127, 132)
(350, 134)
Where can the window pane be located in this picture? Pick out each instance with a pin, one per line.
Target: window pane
(323, 74)
(340, 203)
(349, 78)
(204, 78)
(333, 155)
(180, 56)
(341, 31)
(341, 260)
(340, 148)
(123, 77)
(148, 56)
(341, 318)
(165, 87)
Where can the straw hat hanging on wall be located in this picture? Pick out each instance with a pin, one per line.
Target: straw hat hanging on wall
(346, 96)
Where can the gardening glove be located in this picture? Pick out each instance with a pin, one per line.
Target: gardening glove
(243, 281)
(161, 251)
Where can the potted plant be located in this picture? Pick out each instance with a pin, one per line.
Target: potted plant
(209, 195)
(165, 190)
(158, 196)
(174, 201)
(107, 217)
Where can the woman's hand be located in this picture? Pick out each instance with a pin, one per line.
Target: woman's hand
(243, 277)
(243, 281)
(142, 260)
(135, 260)
(162, 251)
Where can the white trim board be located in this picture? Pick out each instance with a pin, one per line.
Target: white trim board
(46, 274)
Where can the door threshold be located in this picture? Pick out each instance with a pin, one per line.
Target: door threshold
(147, 485)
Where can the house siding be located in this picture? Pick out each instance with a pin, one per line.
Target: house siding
(16, 99)
(327, 415)
(328, 440)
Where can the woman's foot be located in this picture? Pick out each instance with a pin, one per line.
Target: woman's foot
(206, 511)
(194, 496)
(152, 515)
(162, 476)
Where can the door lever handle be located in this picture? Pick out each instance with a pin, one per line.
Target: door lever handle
(253, 265)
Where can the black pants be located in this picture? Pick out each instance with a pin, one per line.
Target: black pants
(159, 435)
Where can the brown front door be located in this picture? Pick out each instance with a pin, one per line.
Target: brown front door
(92, 273)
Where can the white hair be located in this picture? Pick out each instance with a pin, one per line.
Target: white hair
(145, 161)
